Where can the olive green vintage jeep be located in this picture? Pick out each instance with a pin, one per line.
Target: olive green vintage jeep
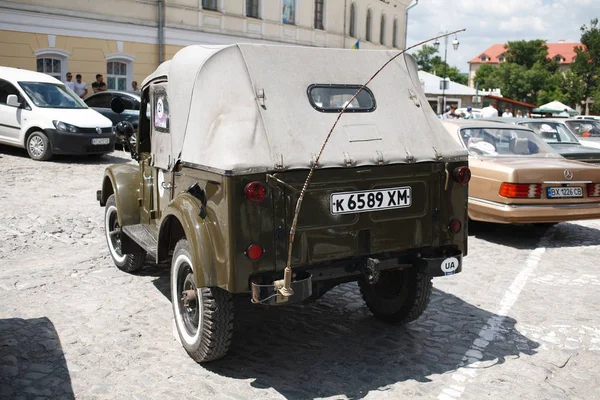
(226, 138)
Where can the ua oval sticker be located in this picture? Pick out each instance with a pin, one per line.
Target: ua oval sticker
(450, 265)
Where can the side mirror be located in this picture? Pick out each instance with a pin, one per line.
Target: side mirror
(117, 105)
(13, 101)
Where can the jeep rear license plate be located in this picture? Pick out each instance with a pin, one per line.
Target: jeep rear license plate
(371, 200)
(101, 141)
(564, 192)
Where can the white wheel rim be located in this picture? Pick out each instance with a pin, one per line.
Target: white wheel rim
(120, 258)
(36, 146)
(185, 336)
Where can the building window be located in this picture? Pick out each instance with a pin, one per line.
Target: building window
(395, 34)
(368, 33)
(352, 20)
(558, 59)
(382, 31)
(50, 66)
(319, 14)
(210, 5)
(483, 58)
(289, 12)
(252, 8)
(116, 75)
(501, 59)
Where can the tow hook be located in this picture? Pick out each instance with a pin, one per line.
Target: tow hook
(370, 270)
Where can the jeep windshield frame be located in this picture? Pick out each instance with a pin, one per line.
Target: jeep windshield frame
(333, 97)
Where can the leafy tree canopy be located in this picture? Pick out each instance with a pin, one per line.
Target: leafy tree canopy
(429, 61)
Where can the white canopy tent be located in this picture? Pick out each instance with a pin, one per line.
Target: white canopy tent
(554, 107)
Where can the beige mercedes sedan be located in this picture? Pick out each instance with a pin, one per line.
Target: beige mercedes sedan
(518, 178)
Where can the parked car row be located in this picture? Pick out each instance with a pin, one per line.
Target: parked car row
(38, 113)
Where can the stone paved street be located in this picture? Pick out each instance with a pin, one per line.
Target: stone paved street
(521, 321)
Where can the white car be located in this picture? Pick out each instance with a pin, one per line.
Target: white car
(39, 113)
(476, 111)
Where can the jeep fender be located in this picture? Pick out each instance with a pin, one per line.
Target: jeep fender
(123, 180)
(185, 210)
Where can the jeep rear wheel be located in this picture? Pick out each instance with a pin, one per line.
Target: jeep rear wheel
(38, 146)
(399, 296)
(125, 262)
(203, 315)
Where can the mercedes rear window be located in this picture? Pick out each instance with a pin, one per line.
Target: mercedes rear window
(333, 98)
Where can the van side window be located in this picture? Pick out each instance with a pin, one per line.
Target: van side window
(7, 88)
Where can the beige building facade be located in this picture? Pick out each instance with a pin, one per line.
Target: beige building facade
(125, 40)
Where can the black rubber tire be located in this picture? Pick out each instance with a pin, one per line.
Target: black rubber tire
(399, 296)
(42, 140)
(212, 336)
(125, 262)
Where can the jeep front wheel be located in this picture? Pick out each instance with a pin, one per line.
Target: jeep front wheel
(203, 315)
(399, 296)
(125, 262)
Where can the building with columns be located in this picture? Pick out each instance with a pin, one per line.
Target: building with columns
(125, 40)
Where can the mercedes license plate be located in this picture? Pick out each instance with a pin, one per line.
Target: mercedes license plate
(101, 141)
(564, 192)
(371, 200)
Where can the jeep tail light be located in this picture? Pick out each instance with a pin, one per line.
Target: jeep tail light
(462, 175)
(255, 192)
(521, 190)
(454, 226)
(593, 189)
(254, 252)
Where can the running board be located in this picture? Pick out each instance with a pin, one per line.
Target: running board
(140, 235)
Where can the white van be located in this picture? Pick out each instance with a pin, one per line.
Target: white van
(39, 113)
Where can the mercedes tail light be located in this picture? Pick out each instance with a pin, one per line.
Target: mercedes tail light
(593, 189)
(462, 175)
(521, 190)
(255, 192)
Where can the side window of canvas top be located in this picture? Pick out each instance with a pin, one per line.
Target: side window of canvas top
(333, 98)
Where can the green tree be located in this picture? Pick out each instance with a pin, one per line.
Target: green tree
(423, 57)
(526, 52)
(429, 61)
(587, 61)
(483, 72)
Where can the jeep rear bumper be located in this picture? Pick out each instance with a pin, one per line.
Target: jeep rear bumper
(435, 262)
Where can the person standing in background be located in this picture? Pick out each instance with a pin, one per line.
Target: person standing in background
(489, 111)
(79, 87)
(507, 113)
(69, 82)
(469, 114)
(134, 86)
(99, 85)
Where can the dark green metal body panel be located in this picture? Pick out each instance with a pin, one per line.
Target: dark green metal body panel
(124, 181)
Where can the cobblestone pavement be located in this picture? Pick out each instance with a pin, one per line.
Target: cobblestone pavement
(522, 320)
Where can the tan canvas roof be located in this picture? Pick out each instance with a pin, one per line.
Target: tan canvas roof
(217, 121)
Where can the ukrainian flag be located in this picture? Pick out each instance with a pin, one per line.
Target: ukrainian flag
(356, 45)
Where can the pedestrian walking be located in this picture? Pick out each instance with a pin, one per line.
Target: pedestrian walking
(79, 87)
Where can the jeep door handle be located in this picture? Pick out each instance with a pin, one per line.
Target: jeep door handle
(166, 186)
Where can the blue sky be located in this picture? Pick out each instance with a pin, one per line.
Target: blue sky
(495, 21)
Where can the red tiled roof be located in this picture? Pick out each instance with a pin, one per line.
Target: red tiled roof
(565, 50)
